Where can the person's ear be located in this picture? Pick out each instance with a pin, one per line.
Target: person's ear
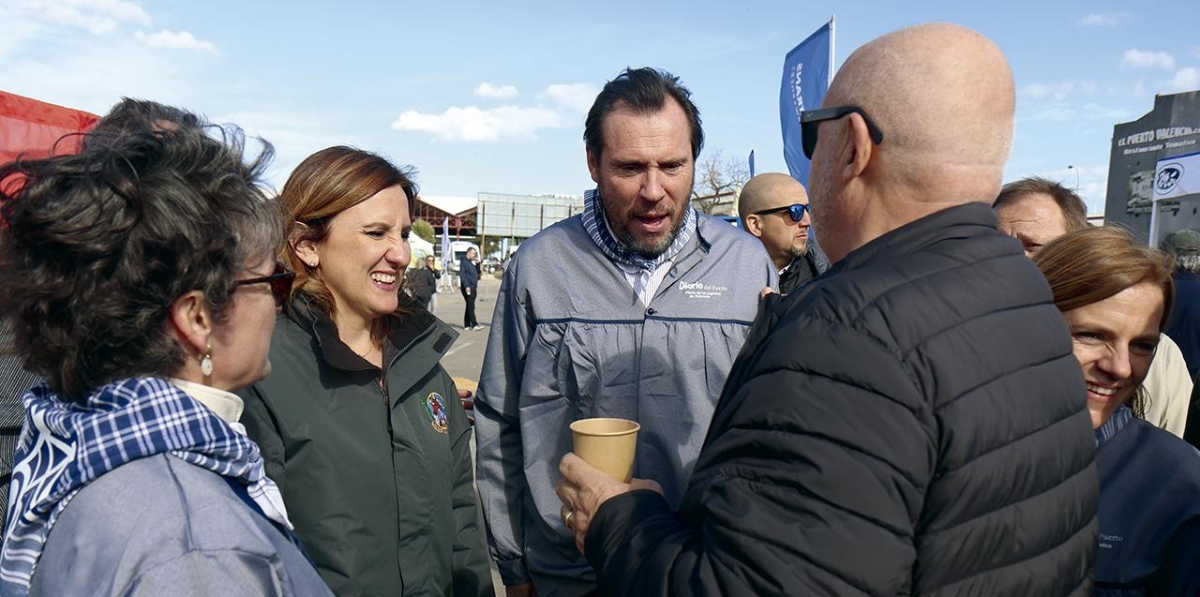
(593, 161)
(192, 320)
(754, 225)
(858, 148)
(303, 246)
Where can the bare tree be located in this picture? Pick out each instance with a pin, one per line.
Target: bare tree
(718, 180)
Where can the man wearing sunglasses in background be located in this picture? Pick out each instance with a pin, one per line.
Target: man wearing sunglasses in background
(774, 208)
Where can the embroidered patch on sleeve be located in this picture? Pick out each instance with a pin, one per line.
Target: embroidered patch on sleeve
(435, 408)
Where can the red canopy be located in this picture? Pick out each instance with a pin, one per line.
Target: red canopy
(32, 127)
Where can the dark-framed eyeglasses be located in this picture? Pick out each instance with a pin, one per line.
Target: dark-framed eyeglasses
(809, 119)
(795, 210)
(280, 281)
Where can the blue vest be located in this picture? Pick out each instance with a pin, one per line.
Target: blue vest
(1149, 514)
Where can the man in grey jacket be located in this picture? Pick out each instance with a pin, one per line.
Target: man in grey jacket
(634, 309)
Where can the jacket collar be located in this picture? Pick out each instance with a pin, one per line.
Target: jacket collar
(403, 333)
(960, 221)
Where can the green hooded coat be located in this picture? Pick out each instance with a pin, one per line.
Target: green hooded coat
(376, 475)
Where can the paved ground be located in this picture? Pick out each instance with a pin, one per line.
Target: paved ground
(465, 358)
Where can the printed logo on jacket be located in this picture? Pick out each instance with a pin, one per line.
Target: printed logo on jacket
(700, 290)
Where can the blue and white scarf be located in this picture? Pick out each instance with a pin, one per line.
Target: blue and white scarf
(65, 445)
(597, 227)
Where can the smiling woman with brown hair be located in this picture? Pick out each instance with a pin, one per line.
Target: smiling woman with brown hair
(360, 425)
(1116, 295)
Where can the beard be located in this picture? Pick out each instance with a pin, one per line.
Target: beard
(795, 251)
(650, 247)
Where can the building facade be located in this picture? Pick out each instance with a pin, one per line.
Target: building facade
(1170, 130)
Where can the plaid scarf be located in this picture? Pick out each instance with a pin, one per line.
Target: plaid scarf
(66, 445)
(597, 227)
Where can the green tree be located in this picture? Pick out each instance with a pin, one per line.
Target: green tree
(423, 229)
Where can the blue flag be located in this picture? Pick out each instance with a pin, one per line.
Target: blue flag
(751, 163)
(806, 71)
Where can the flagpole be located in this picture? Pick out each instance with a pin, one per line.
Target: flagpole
(832, 47)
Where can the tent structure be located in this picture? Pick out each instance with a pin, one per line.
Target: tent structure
(37, 129)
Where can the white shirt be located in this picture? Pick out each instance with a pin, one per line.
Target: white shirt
(645, 283)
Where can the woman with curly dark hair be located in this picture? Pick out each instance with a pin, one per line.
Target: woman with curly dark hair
(140, 280)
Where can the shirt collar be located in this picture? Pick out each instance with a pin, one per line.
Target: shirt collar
(226, 405)
(1113, 425)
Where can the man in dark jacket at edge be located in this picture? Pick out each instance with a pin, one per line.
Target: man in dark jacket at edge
(913, 422)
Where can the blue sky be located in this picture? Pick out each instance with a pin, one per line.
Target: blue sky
(491, 96)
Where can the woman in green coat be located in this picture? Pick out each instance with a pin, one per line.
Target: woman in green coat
(359, 425)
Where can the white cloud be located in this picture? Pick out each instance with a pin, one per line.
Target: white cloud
(97, 16)
(1056, 112)
(1187, 79)
(473, 124)
(1144, 59)
(496, 91)
(1098, 112)
(1057, 92)
(1102, 19)
(577, 96)
(558, 107)
(175, 41)
(1066, 111)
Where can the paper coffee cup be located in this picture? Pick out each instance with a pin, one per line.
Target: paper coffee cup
(607, 444)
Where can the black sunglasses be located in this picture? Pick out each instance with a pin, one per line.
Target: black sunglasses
(280, 281)
(809, 119)
(796, 211)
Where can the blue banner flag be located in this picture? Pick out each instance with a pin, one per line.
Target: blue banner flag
(751, 163)
(806, 74)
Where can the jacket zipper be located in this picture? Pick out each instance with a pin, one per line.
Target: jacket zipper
(387, 412)
(387, 401)
(383, 375)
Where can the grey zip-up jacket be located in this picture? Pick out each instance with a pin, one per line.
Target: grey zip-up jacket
(162, 526)
(570, 340)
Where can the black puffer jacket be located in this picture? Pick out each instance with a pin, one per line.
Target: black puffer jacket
(911, 423)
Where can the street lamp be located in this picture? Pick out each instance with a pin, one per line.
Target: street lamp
(1076, 177)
